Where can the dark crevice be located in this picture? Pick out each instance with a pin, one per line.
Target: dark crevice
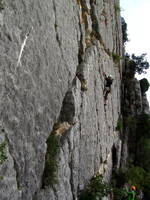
(80, 51)
(98, 125)
(64, 123)
(80, 67)
(49, 177)
(80, 48)
(57, 34)
(56, 24)
(68, 108)
(117, 30)
(95, 28)
(114, 157)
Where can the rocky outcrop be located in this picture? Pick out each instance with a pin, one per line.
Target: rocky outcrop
(134, 104)
(53, 55)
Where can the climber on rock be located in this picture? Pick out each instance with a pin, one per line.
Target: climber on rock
(132, 194)
(107, 87)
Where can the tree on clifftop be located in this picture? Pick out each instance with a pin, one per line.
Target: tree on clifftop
(139, 63)
(136, 64)
(124, 30)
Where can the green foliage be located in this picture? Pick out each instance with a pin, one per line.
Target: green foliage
(140, 178)
(119, 193)
(139, 63)
(119, 178)
(136, 64)
(96, 189)
(131, 121)
(144, 85)
(119, 126)
(117, 7)
(139, 149)
(139, 174)
(51, 165)
(116, 57)
(136, 176)
(143, 126)
(3, 156)
(124, 30)
(143, 152)
(146, 185)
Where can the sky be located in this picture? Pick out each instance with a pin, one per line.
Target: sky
(137, 15)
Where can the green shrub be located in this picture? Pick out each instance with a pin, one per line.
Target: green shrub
(3, 156)
(117, 7)
(143, 126)
(119, 126)
(116, 57)
(146, 185)
(51, 165)
(124, 30)
(143, 153)
(136, 64)
(136, 176)
(144, 85)
(139, 63)
(119, 179)
(119, 193)
(96, 189)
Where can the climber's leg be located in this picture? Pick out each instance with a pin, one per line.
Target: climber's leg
(106, 92)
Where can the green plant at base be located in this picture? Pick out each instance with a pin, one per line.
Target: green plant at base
(96, 189)
(3, 156)
(136, 176)
(131, 176)
(143, 125)
(51, 165)
(119, 193)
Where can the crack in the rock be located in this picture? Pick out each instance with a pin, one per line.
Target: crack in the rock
(64, 122)
(98, 125)
(57, 35)
(95, 27)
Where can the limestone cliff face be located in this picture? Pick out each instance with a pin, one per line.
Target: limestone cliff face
(53, 54)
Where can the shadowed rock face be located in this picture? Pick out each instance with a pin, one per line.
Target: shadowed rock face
(53, 54)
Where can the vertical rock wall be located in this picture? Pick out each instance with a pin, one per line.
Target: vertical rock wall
(53, 54)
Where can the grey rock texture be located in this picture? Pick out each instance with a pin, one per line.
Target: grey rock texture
(53, 54)
(134, 103)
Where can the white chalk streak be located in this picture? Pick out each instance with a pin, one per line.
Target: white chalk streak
(23, 45)
(22, 48)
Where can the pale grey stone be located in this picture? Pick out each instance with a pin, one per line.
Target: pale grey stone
(47, 56)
